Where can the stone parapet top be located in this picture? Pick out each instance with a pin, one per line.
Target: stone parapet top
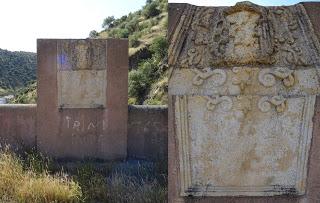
(17, 106)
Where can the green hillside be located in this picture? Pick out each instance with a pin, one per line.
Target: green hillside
(26, 95)
(146, 31)
(17, 69)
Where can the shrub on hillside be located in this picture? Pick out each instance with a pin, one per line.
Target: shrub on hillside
(151, 10)
(145, 25)
(163, 5)
(119, 33)
(123, 18)
(159, 47)
(154, 22)
(137, 86)
(134, 40)
(140, 80)
(132, 25)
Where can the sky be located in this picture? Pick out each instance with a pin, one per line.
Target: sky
(232, 2)
(23, 21)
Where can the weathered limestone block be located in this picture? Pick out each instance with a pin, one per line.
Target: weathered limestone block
(242, 85)
(243, 145)
(245, 80)
(82, 106)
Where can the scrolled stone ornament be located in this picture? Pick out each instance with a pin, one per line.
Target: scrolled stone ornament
(224, 101)
(267, 77)
(193, 58)
(264, 105)
(279, 102)
(201, 76)
(243, 77)
(288, 81)
(286, 75)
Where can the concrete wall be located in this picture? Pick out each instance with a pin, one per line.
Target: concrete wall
(148, 132)
(147, 129)
(18, 125)
(82, 106)
(82, 131)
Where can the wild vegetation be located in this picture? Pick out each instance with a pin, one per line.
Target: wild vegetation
(21, 182)
(32, 177)
(17, 69)
(146, 31)
(25, 95)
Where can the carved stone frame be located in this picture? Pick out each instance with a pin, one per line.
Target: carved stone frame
(188, 189)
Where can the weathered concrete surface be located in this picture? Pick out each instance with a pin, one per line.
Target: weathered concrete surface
(147, 128)
(81, 73)
(86, 91)
(18, 125)
(97, 131)
(148, 132)
(202, 96)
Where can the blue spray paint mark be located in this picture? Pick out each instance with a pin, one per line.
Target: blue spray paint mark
(63, 60)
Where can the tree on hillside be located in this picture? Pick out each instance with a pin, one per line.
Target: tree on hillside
(108, 22)
(93, 34)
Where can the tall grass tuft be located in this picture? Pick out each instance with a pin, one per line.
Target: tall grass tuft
(26, 185)
(11, 175)
(123, 182)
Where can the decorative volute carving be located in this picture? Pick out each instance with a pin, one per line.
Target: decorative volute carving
(246, 34)
(206, 73)
(267, 76)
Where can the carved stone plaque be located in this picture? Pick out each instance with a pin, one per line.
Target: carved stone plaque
(243, 82)
(81, 74)
(82, 89)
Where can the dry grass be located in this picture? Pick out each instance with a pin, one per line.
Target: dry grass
(47, 188)
(34, 178)
(122, 182)
(18, 184)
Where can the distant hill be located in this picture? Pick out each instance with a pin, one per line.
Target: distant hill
(17, 69)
